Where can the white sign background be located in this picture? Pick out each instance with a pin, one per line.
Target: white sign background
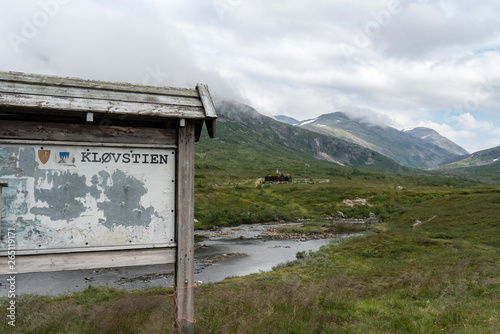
(85, 196)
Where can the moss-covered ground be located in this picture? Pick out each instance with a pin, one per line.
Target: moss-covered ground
(441, 277)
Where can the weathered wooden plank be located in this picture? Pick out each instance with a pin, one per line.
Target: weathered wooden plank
(86, 133)
(44, 251)
(211, 127)
(94, 84)
(92, 260)
(198, 129)
(206, 99)
(78, 143)
(184, 269)
(98, 94)
(98, 106)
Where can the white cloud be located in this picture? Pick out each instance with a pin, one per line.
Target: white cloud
(470, 122)
(129, 42)
(424, 28)
(468, 132)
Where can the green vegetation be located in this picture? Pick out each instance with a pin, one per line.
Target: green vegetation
(234, 199)
(489, 173)
(443, 276)
(482, 165)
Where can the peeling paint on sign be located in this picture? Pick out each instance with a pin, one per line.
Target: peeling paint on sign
(77, 196)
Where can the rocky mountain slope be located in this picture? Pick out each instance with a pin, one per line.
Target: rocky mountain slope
(482, 165)
(432, 136)
(407, 149)
(480, 158)
(247, 138)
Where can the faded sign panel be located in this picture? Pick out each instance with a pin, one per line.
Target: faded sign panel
(77, 196)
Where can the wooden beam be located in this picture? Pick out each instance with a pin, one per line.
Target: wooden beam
(98, 94)
(48, 80)
(48, 251)
(81, 105)
(92, 260)
(212, 133)
(206, 99)
(198, 129)
(184, 269)
(86, 133)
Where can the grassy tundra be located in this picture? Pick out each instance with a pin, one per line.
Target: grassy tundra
(441, 277)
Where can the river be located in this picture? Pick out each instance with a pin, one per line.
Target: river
(232, 251)
(237, 251)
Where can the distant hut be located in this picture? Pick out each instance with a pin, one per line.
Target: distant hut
(278, 177)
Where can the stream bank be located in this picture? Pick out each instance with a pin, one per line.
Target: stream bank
(230, 251)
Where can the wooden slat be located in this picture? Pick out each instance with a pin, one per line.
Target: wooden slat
(79, 143)
(98, 106)
(98, 94)
(206, 99)
(86, 133)
(45, 251)
(211, 127)
(91, 260)
(184, 269)
(93, 84)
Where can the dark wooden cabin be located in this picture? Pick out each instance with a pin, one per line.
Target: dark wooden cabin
(279, 178)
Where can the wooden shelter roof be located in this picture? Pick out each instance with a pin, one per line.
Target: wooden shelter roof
(24, 93)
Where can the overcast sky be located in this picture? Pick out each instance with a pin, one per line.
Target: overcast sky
(403, 63)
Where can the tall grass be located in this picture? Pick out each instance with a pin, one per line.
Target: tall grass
(441, 277)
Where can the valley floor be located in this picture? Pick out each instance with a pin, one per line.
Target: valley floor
(442, 276)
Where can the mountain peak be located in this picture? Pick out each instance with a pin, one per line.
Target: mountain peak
(432, 136)
(420, 148)
(286, 119)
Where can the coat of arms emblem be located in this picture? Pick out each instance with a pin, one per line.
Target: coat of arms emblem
(44, 156)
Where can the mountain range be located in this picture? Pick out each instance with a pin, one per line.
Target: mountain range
(480, 158)
(423, 133)
(248, 140)
(421, 148)
(250, 143)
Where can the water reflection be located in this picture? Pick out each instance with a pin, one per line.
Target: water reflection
(238, 251)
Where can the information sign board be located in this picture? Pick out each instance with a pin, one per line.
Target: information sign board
(66, 196)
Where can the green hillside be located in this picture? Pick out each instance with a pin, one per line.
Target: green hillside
(483, 165)
(480, 158)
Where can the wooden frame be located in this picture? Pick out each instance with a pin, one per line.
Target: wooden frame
(2, 185)
(49, 110)
(184, 267)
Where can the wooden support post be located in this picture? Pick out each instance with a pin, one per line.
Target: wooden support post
(2, 184)
(184, 269)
